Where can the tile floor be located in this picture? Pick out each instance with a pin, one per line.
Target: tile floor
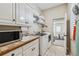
(59, 42)
(55, 51)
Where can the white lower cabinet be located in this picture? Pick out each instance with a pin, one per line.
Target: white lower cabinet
(30, 49)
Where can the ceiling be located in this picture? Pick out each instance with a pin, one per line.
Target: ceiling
(44, 6)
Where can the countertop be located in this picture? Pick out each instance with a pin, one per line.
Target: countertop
(7, 48)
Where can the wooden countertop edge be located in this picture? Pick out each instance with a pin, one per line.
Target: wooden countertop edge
(9, 50)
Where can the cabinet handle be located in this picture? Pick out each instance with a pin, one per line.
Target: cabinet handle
(13, 19)
(33, 49)
(12, 54)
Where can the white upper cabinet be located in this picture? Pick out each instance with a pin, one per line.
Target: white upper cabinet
(7, 12)
(16, 13)
(24, 14)
(29, 14)
(20, 13)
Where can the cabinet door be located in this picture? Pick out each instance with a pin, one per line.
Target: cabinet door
(20, 13)
(28, 13)
(33, 50)
(43, 44)
(23, 13)
(6, 12)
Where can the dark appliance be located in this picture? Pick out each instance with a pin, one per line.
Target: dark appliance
(7, 37)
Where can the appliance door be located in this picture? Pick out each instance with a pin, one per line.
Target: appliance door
(43, 44)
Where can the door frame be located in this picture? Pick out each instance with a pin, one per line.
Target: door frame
(65, 18)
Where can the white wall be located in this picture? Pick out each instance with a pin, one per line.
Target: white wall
(52, 13)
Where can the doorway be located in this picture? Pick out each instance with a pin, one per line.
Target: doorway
(60, 33)
(58, 30)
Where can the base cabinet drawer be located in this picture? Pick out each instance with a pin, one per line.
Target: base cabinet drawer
(32, 51)
(25, 47)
